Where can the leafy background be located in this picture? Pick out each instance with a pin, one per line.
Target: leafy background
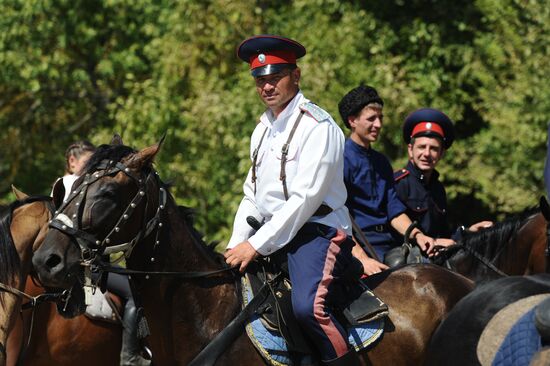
(84, 69)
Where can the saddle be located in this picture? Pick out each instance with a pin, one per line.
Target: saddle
(354, 303)
(404, 254)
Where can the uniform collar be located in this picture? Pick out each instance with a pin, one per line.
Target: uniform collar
(269, 120)
(360, 149)
(420, 175)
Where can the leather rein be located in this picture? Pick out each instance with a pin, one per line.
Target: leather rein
(490, 265)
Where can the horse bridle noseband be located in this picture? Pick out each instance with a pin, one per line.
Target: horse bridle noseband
(91, 248)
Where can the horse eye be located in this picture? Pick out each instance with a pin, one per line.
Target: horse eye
(107, 193)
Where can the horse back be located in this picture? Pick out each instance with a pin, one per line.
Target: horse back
(419, 298)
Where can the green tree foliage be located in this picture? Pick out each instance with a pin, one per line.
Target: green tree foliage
(85, 69)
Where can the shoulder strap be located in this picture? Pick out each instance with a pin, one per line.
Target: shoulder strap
(316, 112)
(400, 174)
(284, 153)
(255, 158)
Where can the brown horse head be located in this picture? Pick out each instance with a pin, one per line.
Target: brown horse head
(108, 207)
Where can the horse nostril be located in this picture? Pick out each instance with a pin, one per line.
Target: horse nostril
(53, 260)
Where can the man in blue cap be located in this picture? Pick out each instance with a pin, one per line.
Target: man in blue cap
(428, 133)
(295, 188)
(368, 176)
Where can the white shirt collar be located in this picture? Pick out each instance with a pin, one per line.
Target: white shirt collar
(268, 119)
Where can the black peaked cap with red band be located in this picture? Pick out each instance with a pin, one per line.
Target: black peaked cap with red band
(429, 122)
(269, 54)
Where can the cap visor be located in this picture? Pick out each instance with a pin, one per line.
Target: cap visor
(269, 69)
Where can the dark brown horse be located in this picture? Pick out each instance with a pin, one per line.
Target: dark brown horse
(516, 246)
(457, 339)
(121, 201)
(54, 339)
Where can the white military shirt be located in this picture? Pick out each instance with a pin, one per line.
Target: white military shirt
(314, 175)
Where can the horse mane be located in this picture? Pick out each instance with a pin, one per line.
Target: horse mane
(187, 214)
(115, 153)
(9, 259)
(491, 241)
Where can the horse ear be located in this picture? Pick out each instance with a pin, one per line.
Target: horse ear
(58, 193)
(145, 157)
(116, 140)
(544, 208)
(18, 194)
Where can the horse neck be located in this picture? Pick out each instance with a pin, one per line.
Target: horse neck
(193, 310)
(27, 228)
(507, 247)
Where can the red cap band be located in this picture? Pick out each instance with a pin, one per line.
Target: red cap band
(427, 127)
(272, 58)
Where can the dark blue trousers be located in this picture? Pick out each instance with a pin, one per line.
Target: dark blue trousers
(316, 258)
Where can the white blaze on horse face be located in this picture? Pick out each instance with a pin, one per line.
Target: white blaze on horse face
(65, 219)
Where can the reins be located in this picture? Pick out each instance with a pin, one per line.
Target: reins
(482, 259)
(181, 275)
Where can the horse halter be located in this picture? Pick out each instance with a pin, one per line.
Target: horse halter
(91, 248)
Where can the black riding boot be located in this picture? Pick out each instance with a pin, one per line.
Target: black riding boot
(349, 359)
(130, 354)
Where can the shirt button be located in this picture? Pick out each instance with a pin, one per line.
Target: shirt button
(269, 250)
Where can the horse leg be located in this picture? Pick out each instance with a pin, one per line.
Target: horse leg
(15, 340)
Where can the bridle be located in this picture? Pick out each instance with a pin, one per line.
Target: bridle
(92, 248)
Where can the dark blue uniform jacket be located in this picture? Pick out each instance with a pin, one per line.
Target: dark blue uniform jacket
(372, 200)
(426, 201)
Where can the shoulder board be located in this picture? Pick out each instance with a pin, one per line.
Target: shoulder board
(316, 112)
(400, 174)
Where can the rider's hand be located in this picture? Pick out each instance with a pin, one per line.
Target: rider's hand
(426, 243)
(370, 265)
(480, 225)
(241, 255)
(444, 242)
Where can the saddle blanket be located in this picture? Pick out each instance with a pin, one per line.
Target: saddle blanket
(511, 338)
(273, 348)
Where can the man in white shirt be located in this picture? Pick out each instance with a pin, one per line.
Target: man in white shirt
(295, 188)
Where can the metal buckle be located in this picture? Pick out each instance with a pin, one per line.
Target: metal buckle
(379, 228)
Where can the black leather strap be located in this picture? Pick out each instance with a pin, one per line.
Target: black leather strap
(323, 210)
(227, 336)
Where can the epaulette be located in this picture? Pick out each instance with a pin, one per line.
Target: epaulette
(316, 112)
(400, 174)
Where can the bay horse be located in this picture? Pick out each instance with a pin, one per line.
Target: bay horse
(54, 340)
(455, 341)
(121, 201)
(515, 246)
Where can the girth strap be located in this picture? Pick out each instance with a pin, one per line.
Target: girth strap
(227, 336)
